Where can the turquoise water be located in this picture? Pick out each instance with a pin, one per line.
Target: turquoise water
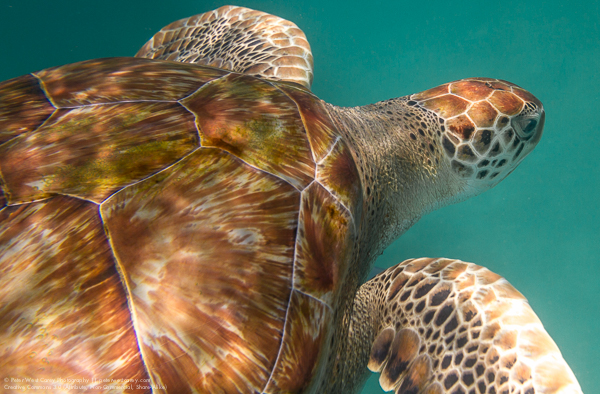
(540, 228)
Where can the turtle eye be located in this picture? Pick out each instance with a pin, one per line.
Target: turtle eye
(526, 126)
(530, 125)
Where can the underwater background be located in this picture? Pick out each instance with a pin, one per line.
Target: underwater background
(539, 228)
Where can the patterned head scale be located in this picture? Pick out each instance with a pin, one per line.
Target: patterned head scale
(489, 126)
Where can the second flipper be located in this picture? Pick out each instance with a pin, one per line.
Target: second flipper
(446, 326)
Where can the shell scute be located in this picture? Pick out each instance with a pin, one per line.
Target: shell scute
(325, 230)
(256, 122)
(336, 168)
(304, 346)
(115, 80)
(208, 216)
(24, 106)
(92, 151)
(320, 130)
(338, 173)
(63, 312)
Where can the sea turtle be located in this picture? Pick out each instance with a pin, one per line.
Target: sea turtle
(194, 219)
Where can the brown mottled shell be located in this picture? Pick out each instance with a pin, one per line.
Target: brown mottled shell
(170, 222)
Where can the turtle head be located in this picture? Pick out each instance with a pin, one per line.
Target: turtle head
(421, 152)
(487, 127)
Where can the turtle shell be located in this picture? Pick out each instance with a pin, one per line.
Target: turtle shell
(170, 222)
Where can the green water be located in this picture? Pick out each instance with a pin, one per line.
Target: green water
(540, 228)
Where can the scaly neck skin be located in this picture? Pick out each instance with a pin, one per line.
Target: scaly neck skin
(405, 174)
(402, 179)
(402, 165)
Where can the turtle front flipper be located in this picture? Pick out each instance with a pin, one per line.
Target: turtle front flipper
(445, 326)
(237, 39)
